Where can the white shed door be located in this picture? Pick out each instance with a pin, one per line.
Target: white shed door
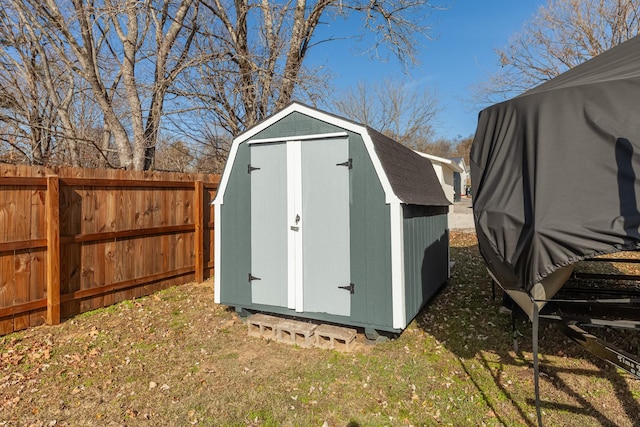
(300, 247)
(325, 239)
(269, 224)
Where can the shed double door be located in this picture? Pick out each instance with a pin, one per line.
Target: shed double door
(300, 251)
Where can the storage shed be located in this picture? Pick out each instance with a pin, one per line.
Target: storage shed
(322, 218)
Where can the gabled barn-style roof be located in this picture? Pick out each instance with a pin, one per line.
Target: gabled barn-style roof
(405, 175)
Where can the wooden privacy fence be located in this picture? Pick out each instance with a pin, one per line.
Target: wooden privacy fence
(73, 240)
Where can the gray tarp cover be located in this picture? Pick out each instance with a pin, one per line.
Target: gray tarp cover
(555, 170)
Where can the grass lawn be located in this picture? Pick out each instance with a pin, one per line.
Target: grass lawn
(177, 359)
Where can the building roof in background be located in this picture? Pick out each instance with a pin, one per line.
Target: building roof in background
(460, 161)
(454, 166)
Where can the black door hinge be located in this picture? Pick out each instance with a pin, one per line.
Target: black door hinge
(251, 168)
(350, 287)
(348, 164)
(252, 278)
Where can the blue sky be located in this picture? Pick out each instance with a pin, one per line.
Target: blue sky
(467, 33)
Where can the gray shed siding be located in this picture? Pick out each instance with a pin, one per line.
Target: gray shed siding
(236, 233)
(296, 124)
(370, 232)
(426, 247)
(370, 224)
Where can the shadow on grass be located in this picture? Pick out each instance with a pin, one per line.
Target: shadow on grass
(464, 317)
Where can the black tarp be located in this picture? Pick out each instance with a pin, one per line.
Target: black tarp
(555, 170)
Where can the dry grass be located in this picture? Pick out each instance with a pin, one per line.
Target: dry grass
(176, 358)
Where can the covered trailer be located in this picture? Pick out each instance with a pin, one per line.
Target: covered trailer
(322, 218)
(554, 174)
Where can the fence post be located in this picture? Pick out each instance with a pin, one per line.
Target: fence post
(52, 212)
(198, 213)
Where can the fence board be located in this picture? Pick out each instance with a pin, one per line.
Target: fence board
(7, 210)
(210, 238)
(6, 290)
(70, 225)
(37, 284)
(124, 252)
(198, 203)
(22, 268)
(22, 259)
(121, 235)
(91, 212)
(52, 212)
(37, 272)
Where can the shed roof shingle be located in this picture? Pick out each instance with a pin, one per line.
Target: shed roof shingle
(411, 176)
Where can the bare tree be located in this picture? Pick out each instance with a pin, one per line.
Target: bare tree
(48, 117)
(441, 147)
(174, 156)
(463, 149)
(128, 52)
(35, 94)
(394, 108)
(561, 35)
(48, 111)
(211, 156)
(240, 60)
(256, 50)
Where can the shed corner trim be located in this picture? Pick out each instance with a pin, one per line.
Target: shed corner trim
(217, 258)
(397, 267)
(224, 180)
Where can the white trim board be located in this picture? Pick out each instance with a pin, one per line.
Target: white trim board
(298, 138)
(446, 162)
(217, 257)
(294, 239)
(398, 299)
(222, 186)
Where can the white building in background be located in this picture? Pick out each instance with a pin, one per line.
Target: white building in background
(445, 169)
(465, 177)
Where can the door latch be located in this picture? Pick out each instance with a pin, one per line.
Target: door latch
(350, 287)
(252, 278)
(348, 164)
(295, 227)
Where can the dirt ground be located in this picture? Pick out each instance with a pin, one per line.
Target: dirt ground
(176, 358)
(461, 215)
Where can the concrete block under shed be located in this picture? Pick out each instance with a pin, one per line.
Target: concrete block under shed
(334, 337)
(294, 332)
(302, 334)
(263, 326)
